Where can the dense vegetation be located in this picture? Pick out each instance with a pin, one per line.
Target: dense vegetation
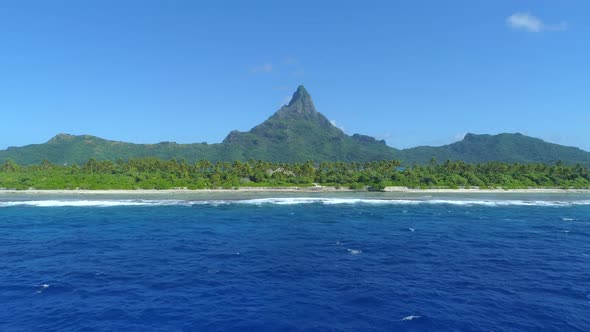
(509, 148)
(296, 133)
(154, 173)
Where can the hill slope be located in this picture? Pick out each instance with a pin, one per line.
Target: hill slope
(296, 133)
(70, 149)
(502, 147)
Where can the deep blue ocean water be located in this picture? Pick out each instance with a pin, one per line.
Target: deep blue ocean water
(295, 264)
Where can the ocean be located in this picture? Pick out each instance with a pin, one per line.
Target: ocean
(295, 262)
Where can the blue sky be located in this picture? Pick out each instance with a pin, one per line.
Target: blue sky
(411, 72)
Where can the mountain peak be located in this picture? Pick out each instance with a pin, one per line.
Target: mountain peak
(61, 137)
(469, 136)
(301, 102)
(300, 93)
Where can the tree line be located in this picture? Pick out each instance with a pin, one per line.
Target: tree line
(153, 173)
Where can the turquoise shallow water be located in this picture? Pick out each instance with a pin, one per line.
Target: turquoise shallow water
(344, 262)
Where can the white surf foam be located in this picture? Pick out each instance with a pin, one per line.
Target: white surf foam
(291, 201)
(336, 201)
(354, 251)
(42, 287)
(313, 200)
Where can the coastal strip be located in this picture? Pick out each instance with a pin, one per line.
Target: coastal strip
(317, 189)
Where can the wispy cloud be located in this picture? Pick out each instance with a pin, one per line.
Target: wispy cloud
(263, 68)
(531, 23)
(333, 122)
(286, 100)
(459, 136)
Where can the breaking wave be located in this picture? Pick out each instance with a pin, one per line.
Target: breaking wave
(289, 201)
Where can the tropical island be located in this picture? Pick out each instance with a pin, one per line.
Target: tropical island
(296, 147)
(297, 133)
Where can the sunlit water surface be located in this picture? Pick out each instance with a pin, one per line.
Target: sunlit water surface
(295, 262)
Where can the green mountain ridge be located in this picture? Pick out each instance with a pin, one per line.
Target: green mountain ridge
(505, 147)
(297, 132)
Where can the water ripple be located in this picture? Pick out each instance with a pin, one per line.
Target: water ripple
(309, 266)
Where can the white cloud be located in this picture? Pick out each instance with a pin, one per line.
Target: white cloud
(264, 68)
(531, 23)
(333, 122)
(524, 21)
(459, 136)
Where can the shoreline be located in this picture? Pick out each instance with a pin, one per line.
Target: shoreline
(318, 189)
